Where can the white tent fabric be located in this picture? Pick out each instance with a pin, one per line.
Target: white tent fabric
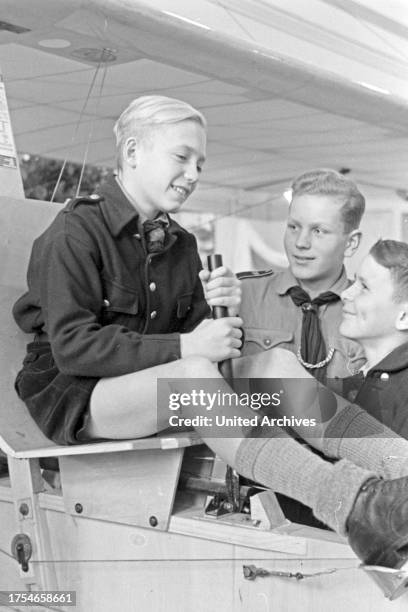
(238, 251)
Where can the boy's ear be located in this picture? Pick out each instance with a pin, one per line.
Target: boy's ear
(130, 150)
(401, 322)
(353, 242)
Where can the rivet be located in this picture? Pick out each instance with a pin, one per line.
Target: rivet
(153, 522)
(24, 509)
(78, 508)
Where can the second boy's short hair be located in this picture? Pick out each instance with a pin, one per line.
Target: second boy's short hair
(328, 182)
(393, 255)
(146, 113)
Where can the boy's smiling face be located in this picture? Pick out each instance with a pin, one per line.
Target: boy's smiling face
(315, 240)
(370, 311)
(166, 166)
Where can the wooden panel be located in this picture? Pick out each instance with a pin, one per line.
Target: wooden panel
(345, 589)
(136, 488)
(27, 483)
(117, 567)
(9, 572)
(20, 222)
(193, 523)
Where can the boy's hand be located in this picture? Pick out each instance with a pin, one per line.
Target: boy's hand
(217, 339)
(222, 288)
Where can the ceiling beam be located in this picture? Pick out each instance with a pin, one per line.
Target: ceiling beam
(361, 12)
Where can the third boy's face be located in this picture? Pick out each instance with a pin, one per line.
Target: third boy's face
(168, 166)
(315, 241)
(369, 309)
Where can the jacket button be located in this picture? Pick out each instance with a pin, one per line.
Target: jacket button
(384, 376)
(153, 314)
(267, 341)
(137, 236)
(106, 303)
(152, 286)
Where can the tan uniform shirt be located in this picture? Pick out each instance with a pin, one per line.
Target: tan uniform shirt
(272, 319)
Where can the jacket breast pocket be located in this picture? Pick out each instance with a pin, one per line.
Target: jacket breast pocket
(262, 339)
(118, 300)
(184, 304)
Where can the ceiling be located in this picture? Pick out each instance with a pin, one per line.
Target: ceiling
(285, 86)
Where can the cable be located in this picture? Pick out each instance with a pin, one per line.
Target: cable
(234, 18)
(6, 553)
(98, 101)
(176, 560)
(81, 114)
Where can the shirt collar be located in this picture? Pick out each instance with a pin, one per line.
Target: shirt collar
(118, 209)
(162, 216)
(287, 280)
(394, 361)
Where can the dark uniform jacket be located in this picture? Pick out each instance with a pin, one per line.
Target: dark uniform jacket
(383, 392)
(100, 306)
(105, 305)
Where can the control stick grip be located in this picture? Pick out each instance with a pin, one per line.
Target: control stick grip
(215, 261)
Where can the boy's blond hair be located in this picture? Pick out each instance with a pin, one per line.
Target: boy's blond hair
(327, 182)
(149, 112)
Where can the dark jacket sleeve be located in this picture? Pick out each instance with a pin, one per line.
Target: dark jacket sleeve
(72, 299)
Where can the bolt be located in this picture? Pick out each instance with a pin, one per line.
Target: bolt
(24, 509)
